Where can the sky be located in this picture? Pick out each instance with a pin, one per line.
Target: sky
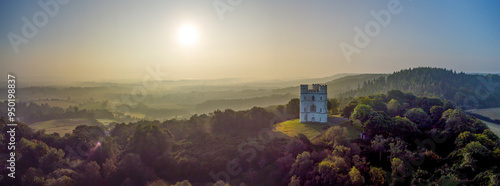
(118, 40)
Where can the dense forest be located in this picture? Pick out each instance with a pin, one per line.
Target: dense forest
(465, 90)
(407, 140)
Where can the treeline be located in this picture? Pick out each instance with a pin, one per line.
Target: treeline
(465, 90)
(484, 118)
(29, 112)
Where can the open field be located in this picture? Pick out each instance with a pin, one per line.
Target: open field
(293, 127)
(91, 106)
(311, 130)
(493, 127)
(61, 126)
(493, 113)
(105, 122)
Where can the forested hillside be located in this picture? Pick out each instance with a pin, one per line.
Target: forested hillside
(465, 90)
(336, 86)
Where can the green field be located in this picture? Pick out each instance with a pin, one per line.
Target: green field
(495, 128)
(493, 113)
(105, 122)
(61, 126)
(311, 130)
(91, 106)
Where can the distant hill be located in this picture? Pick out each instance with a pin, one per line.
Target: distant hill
(467, 90)
(344, 84)
(223, 82)
(484, 73)
(242, 104)
(335, 86)
(283, 83)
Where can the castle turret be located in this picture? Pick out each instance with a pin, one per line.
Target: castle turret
(315, 87)
(322, 89)
(304, 88)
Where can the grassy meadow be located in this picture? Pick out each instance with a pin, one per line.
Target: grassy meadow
(495, 128)
(493, 113)
(293, 127)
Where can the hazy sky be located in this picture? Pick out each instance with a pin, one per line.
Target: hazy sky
(110, 40)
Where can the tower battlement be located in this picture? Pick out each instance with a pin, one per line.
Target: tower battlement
(316, 88)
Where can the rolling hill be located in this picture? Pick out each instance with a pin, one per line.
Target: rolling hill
(465, 90)
(336, 86)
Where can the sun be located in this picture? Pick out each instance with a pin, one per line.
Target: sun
(187, 34)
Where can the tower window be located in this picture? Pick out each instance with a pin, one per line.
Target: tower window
(313, 108)
(313, 98)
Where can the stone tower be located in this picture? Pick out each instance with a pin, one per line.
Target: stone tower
(313, 103)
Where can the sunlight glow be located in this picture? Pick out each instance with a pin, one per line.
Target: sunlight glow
(187, 35)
